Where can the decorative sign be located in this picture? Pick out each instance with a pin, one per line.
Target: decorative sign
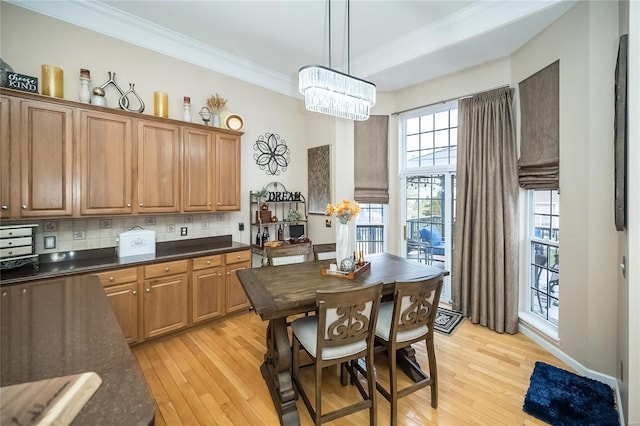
(21, 82)
(272, 153)
(284, 196)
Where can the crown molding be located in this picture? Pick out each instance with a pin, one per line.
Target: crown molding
(112, 22)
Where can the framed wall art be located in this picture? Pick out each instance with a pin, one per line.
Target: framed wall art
(620, 136)
(319, 178)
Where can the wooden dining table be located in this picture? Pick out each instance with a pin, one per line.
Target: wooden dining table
(280, 291)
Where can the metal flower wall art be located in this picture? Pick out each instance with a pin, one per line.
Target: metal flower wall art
(272, 154)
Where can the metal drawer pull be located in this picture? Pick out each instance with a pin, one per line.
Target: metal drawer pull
(134, 292)
(111, 278)
(208, 262)
(148, 290)
(4, 207)
(24, 207)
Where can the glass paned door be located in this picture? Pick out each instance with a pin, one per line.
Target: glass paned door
(428, 230)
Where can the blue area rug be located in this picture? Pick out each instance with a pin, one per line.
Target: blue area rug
(560, 397)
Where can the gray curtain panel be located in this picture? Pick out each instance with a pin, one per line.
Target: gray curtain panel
(371, 169)
(539, 163)
(485, 260)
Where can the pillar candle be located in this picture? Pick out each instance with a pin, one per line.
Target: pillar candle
(52, 81)
(160, 104)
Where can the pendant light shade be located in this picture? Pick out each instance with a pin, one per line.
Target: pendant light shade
(332, 92)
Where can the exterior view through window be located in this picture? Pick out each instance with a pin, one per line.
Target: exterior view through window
(429, 141)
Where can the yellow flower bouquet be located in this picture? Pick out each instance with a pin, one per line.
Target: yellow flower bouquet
(344, 211)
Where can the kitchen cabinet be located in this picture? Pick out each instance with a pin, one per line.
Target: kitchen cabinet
(122, 289)
(198, 174)
(236, 298)
(166, 306)
(159, 148)
(227, 172)
(45, 135)
(207, 288)
(5, 157)
(106, 154)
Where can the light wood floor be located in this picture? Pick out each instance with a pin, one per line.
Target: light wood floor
(210, 376)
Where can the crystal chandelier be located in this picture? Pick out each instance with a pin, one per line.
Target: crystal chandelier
(335, 93)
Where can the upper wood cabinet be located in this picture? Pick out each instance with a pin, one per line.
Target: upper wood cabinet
(46, 159)
(5, 157)
(197, 170)
(159, 152)
(61, 158)
(227, 172)
(106, 153)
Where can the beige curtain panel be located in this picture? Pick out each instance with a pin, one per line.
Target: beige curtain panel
(485, 260)
(539, 164)
(371, 169)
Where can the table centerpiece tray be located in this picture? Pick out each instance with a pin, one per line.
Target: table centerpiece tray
(347, 275)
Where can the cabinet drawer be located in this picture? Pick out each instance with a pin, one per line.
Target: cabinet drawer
(237, 257)
(165, 269)
(16, 232)
(119, 276)
(15, 251)
(15, 242)
(207, 262)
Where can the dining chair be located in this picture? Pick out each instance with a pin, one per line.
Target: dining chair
(288, 254)
(324, 251)
(407, 319)
(343, 330)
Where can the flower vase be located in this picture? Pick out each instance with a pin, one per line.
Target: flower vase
(216, 120)
(343, 250)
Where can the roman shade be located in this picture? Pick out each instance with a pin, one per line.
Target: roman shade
(539, 163)
(371, 170)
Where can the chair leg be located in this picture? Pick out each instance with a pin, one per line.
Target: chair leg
(318, 410)
(433, 371)
(393, 385)
(371, 382)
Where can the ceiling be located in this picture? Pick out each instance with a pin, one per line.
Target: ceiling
(394, 43)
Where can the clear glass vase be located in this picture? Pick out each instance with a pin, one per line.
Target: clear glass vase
(343, 241)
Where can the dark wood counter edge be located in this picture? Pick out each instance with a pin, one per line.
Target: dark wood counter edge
(114, 262)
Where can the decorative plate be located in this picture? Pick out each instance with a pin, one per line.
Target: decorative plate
(234, 122)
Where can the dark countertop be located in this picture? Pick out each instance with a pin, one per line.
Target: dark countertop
(86, 261)
(65, 326)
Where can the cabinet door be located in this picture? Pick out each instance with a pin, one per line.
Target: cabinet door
(124, 302)
(165, 305)
(197, 188)
(5, 157)
(105, 163)
(158, 167)
(208, 294)
(46, 154)
(236, 297)
(227, 178)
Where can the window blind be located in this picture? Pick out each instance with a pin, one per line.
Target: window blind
(371, 169)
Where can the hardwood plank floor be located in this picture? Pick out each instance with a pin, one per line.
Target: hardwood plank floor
(210, 375)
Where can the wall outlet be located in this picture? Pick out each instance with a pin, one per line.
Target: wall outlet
(49, 242)
(241, 226)
(183, 231)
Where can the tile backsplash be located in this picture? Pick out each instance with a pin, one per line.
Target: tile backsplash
(93, 233)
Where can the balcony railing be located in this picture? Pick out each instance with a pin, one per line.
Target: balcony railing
(370, 238)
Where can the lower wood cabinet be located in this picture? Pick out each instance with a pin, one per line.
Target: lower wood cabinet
(236, 299)
(207, 288)
(166, 306)
(122, 289)
(156, 299)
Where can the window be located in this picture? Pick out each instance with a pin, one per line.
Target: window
(544, 254)
(430, 137)
(370, 225)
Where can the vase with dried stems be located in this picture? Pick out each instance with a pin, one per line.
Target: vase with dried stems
(216, 104)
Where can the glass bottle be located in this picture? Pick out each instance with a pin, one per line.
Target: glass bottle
(258, 239)
(187, 109)
(280, 233)
(265, 235)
